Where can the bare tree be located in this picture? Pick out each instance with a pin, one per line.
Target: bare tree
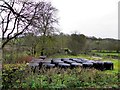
(45, 18)
(44, 21)
(15, 18)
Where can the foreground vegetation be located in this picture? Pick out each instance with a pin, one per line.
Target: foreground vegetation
(21, 76)
(58, 78)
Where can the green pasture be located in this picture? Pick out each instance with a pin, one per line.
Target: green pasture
(105, 53)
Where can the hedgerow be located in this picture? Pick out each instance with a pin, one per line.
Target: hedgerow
(21, 76)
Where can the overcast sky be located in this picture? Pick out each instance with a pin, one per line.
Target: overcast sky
(97, 18)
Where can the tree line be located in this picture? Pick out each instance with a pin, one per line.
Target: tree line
(64, 43)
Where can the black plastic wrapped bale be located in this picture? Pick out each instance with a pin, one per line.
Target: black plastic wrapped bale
(74, 59)
(36, 60)
(48, 65)
(108, 65)
(40, 65)
(98, 65)
(71, 59)
(73, 65)
(62, 59)
(39, 61)
(84, 60)
(80, 58)
(33, 66)
(42, 57)
(91, 61)
(48, 59)
(87, 65)
(64, 65)
(68, 61)
(56, 61)
(80, 61)
(45, 62)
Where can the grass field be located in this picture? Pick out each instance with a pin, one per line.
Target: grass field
(106, 53)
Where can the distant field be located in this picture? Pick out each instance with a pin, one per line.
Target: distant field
(104, 54)
(112, 54)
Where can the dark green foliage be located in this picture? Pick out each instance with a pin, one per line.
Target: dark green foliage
(77, 43)
(13, 75)
(57, 78)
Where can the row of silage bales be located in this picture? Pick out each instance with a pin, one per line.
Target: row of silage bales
(84, 62)
(60, 63)
(68, 61)
(42, 57)
(56, 61)
(40, 63)
(64, 65)
(108, 65)
(47, 63)
(34, 64)
(100, 65)
(71, 63)
(88, 64)
(78, 60)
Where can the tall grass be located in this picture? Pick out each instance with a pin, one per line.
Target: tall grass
(58, 78)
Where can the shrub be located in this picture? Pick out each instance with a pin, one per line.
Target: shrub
(20, 76)
(12, 75)
(24, 59)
